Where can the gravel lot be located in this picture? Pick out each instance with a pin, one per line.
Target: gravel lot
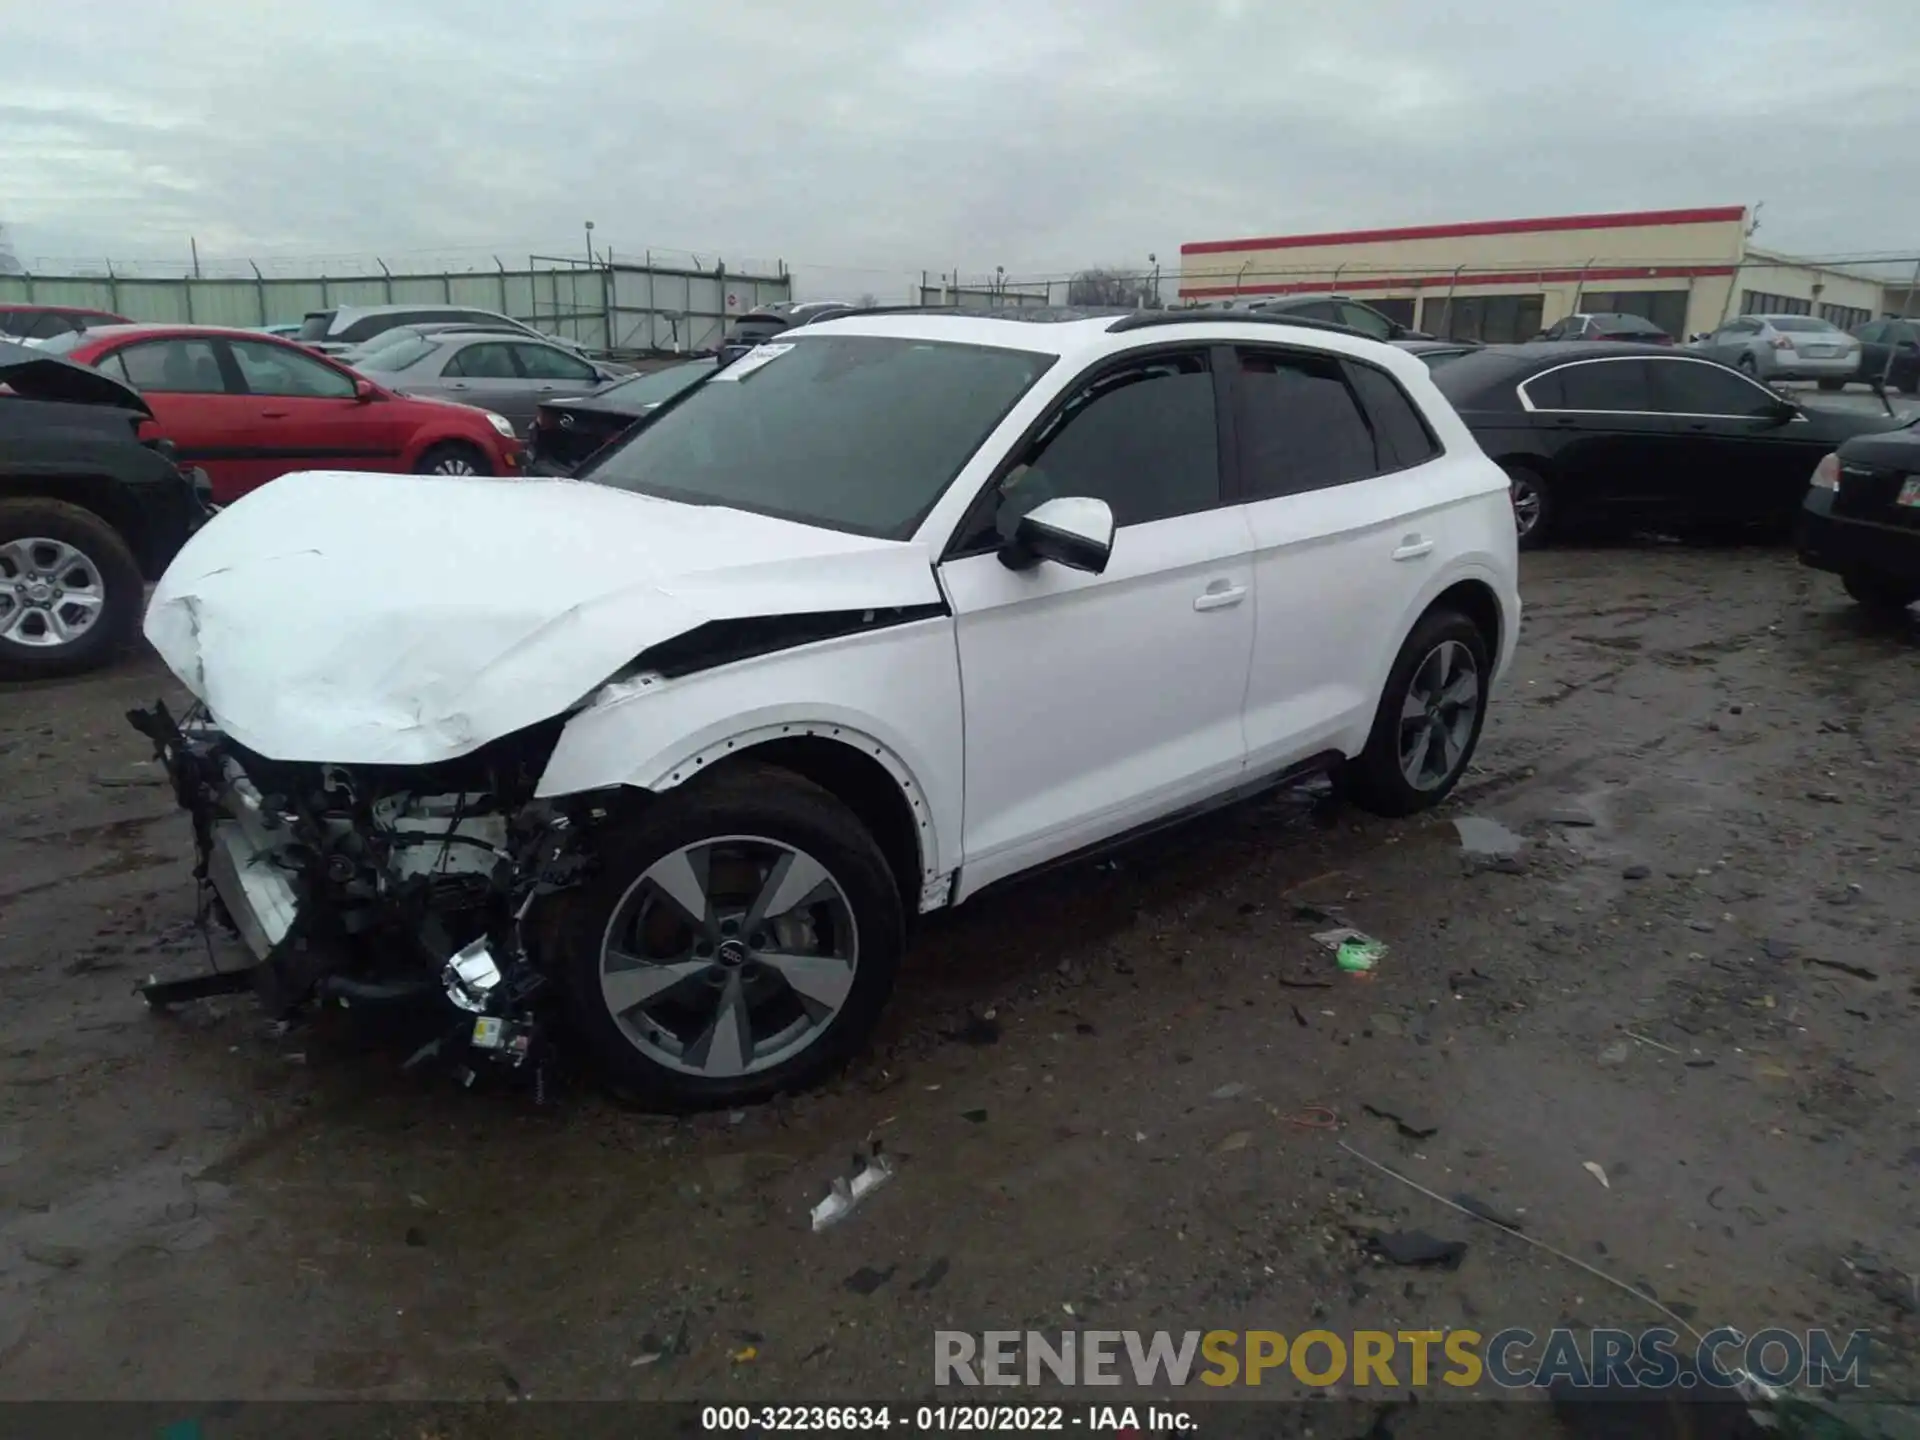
(1701, 974)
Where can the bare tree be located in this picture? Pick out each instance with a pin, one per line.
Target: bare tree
(868, 301)
(1103, 285)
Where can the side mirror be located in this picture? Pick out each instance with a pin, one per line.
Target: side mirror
(363, 391)
(1784, 410)
(1070, 530)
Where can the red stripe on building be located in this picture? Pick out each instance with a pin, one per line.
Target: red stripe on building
(1441, 282)
(1714, 215)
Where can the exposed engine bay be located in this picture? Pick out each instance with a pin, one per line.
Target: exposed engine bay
(373, 886)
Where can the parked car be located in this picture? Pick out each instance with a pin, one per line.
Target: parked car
(1439, 352)
(566, 432)
(43, 322)
(335, 331)
(1606, 325)
(285, 332)
(88, 514)
(248, 407)
(1609, 434)
(1341, 310)
(848, 634)
(1786, 347)
(762, 323)
(510, 373)
(367, 352)
(1891, 349)
(1861, 519)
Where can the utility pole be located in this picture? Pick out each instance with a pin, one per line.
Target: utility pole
(194, 246)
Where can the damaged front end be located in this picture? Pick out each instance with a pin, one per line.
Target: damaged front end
(379, 886)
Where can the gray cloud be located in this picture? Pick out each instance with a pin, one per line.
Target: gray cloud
(881, 138)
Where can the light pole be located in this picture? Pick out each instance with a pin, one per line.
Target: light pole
(1154, 260)
(589, 242)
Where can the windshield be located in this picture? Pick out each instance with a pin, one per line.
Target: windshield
(851, 432)
(395, 354)
(657, 387)
(1799, 323)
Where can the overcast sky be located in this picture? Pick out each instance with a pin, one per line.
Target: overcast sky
(866, 139)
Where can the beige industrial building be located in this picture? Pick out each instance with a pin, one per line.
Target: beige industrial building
(1505, 280)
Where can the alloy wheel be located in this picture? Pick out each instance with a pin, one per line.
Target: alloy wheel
(1526, 505)
(1437, 717)
(729, 956)
(51, 594)
(454, 465)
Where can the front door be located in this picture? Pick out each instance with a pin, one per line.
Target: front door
(481, 374)
(1612, 448)
(551, 374)
(1094, 704)
(1741, 456)
(306, 416)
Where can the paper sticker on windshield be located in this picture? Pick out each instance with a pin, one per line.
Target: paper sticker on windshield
(752, 361)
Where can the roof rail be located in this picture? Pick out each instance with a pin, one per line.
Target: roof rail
(1146, 319)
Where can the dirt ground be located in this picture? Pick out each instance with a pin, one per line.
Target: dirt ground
(1701, 975)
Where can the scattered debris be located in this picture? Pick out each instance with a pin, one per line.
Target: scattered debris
(54, 1256)
(1238, 1140)
(416, 1237)
(1355, 952)
(936, 1272)
(744, 1354)
(1647, 1040)
(1617, 1053)
(979, 1030)
(1637, 872)
(1593, 1168)
(847, 1195)
(1825, 797)
(1859, 972)
(1460, 979)
(1416, 1247)
(866, 1279)
(1570, 816)
(975, 1117)
(1410, 1124)
(1779, 949)
(1291, 983)
(1705, 927)
(1300, 1019)
(1384, 1024)
(1232, 1091)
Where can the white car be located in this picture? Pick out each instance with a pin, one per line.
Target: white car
(888, 612)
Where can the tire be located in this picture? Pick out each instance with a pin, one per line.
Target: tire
(1888, 597)
(1747, 367)
(453, 457)
(51, 551)
(1528, 487)
(1376, 779)
(1830, 386)
(656, 1055)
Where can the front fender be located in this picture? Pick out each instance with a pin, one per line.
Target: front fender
(894, 695)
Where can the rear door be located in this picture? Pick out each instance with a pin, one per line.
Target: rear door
(304, 414)
(1740, 459)
(1612, 448)
(197, 403)
(1348, 495)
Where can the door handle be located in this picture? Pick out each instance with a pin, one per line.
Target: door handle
(1412, 547)
(1219, 596)
(457, 385)
(273, 414)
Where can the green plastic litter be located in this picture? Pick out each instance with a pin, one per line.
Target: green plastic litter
(1356, 956)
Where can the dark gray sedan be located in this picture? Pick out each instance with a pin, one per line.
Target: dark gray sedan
(511, 374)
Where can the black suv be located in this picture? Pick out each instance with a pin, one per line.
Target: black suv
(1341, 310)
(88, 514)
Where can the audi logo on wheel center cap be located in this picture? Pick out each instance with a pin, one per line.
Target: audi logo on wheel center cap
(732, 952)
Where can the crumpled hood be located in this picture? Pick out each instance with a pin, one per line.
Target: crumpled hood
(404, 619)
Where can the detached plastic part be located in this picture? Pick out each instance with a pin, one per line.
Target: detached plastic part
(847, 1195)
(1355, 952)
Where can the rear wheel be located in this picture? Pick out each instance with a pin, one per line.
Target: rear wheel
(453, 457)
(1429, 719)
(1748, 366)
(741, 940)
(1884, 596)
(1532, 505)
(71, 593)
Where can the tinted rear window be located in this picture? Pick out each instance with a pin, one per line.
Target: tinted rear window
(314, 325)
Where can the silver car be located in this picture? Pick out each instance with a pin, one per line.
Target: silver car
(345, 327)
(1786, 347)
(507, 372)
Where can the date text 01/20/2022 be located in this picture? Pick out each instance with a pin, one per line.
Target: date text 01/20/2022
(946, 1419)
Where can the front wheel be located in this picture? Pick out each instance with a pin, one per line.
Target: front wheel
(70, 590)
(740, 941)
(453, 457)
(1889, 597)
(1429, 719)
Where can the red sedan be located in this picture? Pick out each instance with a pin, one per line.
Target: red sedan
(247, 408)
